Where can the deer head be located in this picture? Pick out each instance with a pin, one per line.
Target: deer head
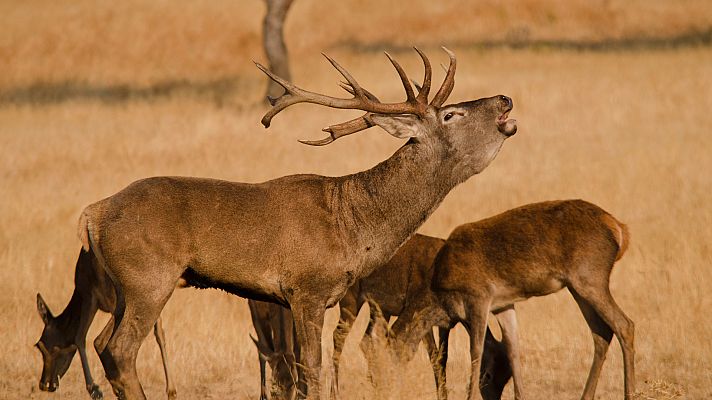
(470, 133)
(56, 349)
(284, 370)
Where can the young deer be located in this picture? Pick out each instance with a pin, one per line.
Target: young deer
(387, 289)
(301, 240)
(66, 333)
(534, 250)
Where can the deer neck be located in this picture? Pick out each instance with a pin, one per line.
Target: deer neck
(388, 203)
(68, 321)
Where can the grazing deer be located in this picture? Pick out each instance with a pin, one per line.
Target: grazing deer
(534, 250)
(301, 240)
(66, 333)
(387, 289)
(276, 345)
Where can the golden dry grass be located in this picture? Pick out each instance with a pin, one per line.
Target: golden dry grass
(628, 131)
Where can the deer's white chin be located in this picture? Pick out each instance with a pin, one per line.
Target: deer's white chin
(508, 127)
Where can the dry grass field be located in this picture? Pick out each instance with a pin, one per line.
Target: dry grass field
(629, 130)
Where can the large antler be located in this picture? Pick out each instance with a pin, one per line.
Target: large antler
(362, 99)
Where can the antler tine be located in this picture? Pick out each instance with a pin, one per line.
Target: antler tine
(362, 100)
(358, 90)
(404, 78)
(425, 89)
(349, 89)
(296, 95)
(285, 84)
(349, 127)
(320, 142)
(282, 102)
(345, 128)
(448, 82)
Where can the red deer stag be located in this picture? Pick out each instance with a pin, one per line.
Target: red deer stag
(299, 240)
(66, 333)
(389, 287)
(534, 250)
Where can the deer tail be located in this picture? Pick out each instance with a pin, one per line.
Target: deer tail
(83, 230)
(620, 232)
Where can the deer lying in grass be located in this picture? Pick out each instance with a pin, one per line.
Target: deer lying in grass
(534, 250)
(388, 287)
(301, 240)
(66, 333)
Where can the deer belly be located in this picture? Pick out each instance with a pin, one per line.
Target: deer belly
(505, 296)
(265, 288)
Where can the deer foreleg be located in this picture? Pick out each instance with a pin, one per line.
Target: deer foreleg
(507, 319)
(477, 322)
(309, 321)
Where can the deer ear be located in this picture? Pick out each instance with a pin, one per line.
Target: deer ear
(263, 350)
(43, 310)
(400, 126)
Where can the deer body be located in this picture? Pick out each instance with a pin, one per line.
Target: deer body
(534, 250)
(299, 240)
(66, 333)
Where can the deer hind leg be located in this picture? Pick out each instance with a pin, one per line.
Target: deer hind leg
(348, 309)
(603, 314)
(137, 309)
(161, 340)
(507, 319)
(602, 335)
(309, 321)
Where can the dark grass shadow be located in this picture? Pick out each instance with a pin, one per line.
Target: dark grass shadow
(217, 91)
(519, 39)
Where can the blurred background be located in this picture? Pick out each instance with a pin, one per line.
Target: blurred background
(612, 99)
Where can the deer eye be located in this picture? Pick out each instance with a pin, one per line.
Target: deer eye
(448, 116)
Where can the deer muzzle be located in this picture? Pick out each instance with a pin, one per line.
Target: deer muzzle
(507, 126)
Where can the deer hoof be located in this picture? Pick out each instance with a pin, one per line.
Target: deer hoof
(95, 393)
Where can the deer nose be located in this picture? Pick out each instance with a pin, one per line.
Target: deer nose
(506, 101)
(48, 386)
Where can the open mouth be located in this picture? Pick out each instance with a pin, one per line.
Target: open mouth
(506, 126)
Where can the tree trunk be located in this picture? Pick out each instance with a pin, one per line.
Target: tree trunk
(275, 49)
